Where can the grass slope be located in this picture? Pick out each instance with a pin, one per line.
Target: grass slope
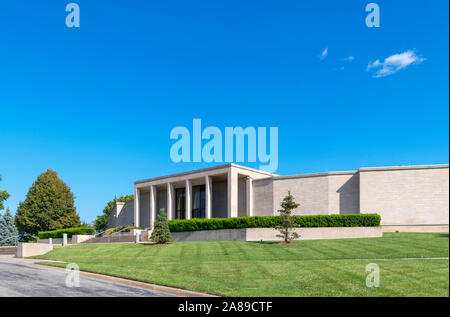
(309, 268)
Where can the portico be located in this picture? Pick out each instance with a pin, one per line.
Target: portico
(217, 192)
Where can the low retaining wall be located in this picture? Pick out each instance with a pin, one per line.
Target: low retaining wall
(30, 249)
(145, 235)
(415, 228)
(111, 239)
(8, 250)
(78, 238)
(134, 232)
(269, 234)
(54, 241)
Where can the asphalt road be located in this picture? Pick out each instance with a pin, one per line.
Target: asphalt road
(20, 279)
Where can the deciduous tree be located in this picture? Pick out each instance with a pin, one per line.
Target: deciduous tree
(3, 196)
(49, 205)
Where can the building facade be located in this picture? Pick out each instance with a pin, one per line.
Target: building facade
(404, 196)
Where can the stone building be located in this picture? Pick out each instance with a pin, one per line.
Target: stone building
(408, 198)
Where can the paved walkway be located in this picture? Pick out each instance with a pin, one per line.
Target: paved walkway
(20, 277)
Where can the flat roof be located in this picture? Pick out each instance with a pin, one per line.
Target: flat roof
(362, 169)
(274, 176)
(401, 167)
(204, 170)
(314, 175)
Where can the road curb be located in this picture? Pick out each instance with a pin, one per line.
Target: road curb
(135, 284)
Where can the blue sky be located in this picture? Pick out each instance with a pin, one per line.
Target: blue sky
(97, 103)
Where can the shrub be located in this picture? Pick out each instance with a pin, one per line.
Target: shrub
(56, 234)
(196, 224)
(161, 232)
(288, 219)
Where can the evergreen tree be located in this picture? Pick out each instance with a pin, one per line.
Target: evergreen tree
(3, 196)
(2, 230)
(288, 220)
(49, 205)
(161, 232)
(8, 229)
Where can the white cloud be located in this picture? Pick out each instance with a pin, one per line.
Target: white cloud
(324, 53)
(350, 58)
(394, 63)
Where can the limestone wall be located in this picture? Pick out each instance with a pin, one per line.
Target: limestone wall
(79, 238)
(343, 193)
(406, 195)
(310, 191)
(411, 195)
(263, 197)
(269, 234)
(122, 214)
(30, 249)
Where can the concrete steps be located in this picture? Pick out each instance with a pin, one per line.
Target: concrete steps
(121, 237)
(145, 235)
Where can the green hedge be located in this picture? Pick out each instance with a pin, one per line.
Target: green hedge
(56, 234)
(354, 220)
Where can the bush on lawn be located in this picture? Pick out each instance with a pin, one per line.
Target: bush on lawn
(196, 224)
(288, 220)
(161, 233)
(57, 234)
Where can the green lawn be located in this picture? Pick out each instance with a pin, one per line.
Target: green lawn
(309, 268)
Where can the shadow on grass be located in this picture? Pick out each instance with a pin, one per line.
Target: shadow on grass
(153, 244)
(276, 242)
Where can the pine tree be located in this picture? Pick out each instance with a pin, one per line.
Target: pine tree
(49, 205)
(288, 220)
(161, 232)
(8, 229)
(2, 230)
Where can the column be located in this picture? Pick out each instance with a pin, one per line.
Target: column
(169, 202)
(152, 205)
(188, 195)
(136, 206)
(208, 196)
(232, 193)
(249, 191)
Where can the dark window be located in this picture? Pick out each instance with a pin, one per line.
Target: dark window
(198, 201)
(180, 203)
